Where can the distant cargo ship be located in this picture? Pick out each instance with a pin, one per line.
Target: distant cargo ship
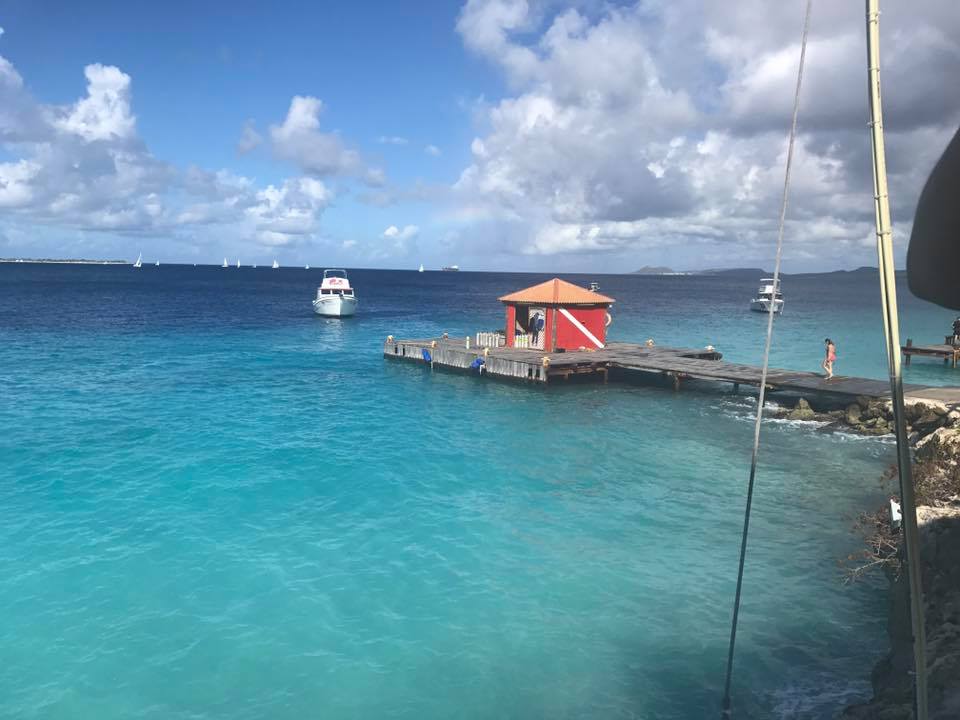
(451, 268)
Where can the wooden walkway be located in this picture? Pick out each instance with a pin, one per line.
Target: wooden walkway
(677, 365)
(948, 351)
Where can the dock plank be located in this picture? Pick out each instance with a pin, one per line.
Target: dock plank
(679, 364)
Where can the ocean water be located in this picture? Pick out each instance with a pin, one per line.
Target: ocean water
(214, 504)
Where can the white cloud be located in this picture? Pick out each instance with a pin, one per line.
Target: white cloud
(432, 150)
(663, 125)
(298, 139)
(399, 242)
(284, 215)
(15, 181)
(82, 166)
(105, 113)
(392, 140)
(407, 233)
(249, 138)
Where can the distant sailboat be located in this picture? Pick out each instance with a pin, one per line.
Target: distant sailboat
(225, 264)
(139, 261)
(158, 263)
(238, 263)
(254, 266)
(421, 268)
(306, 267)
(275, 265)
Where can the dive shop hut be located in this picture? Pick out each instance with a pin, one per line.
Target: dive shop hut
(557, 315)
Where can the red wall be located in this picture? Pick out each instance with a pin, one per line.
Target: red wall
(569, 337)
(511, 324)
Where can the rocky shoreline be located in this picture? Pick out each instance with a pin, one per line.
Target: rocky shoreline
(868, 416)
(934, 433)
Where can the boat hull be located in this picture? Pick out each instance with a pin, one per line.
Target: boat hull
(335, 306)
(763, 305)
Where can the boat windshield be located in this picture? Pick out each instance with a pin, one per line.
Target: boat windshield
(334, 273)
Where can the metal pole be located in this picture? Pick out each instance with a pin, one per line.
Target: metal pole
(888, 294)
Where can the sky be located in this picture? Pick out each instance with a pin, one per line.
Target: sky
(495, 134)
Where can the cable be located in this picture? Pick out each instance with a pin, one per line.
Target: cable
(763, 375)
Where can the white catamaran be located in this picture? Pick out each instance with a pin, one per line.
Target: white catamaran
(769, 292)
(335, 297)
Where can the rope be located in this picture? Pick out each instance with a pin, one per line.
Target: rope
(763, 375)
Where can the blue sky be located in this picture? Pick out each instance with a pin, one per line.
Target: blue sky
(561, 136)
(201, 71)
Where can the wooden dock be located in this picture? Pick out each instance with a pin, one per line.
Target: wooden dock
(948, 351)
(626, 361)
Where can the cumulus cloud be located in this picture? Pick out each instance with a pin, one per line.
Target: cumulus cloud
(299, 140)
(663, 125)
(432, 150)
(249, 138)
(400, 241)
(395, 233)
(83, 166)
(105, 113)
(392, 140)
(286, 214)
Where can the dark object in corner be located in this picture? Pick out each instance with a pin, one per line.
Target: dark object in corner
(933, 258)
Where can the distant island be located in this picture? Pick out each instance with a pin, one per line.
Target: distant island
(64, 261)
(663, 270)
(654, 270)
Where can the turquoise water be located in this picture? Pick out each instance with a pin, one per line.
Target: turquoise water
(215, 505)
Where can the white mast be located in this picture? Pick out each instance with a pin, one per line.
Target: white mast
(891, 327)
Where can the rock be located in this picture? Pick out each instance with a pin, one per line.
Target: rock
(953, 417)
(863, 401)
(913, 409)
(853, 414)
(873, 412)
(802, 411)
(928, 420)
(939, 530)
(948, 438)
(939, 409)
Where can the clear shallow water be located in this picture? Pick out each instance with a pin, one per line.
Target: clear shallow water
(214, 504)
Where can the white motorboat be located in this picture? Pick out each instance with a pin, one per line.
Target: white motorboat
(335, 297)
(451, 268)
(275, 265)
(768, 293)
(139, 262)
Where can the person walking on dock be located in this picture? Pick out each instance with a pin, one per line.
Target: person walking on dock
(956, 332)
(829, 358)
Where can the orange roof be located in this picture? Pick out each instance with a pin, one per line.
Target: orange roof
(557, 292)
